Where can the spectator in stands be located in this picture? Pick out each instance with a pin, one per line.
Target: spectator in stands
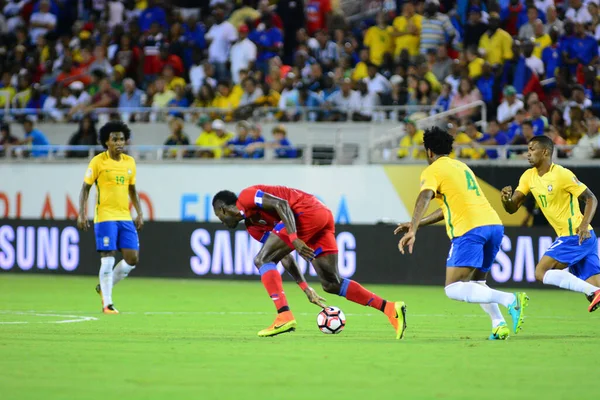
(376, 82)
(541, 38)
(578, 12)
(244, 13)
(436, 28)
(152, 14)
(220, 36)
(552, 21)
(466, 94)
(269, 42)
(443, 101)
(327, 52)
(378, 39)
(475, 63)
(588, 146)
(100, 62)
(106, 97)
(584, 48)
(243, 54)
(442, 67)
(509, 106)
(162, 95)
(496, 43)
(281, 144)
(205, 97)
(318, 15)
(177, 138)
(424, 95)
(368, 101)
(86, 135)
(237, 146)
(71, 74)
(251, 92)
(526, 30)
(474, 29)
(343, 102)
(179, 101)
(494, 137)
(412, 142)
(538, 120)
(34, 137)
(578, 100)
(407, 30)
(577, 129)
(132, 97)
(42, 22)
(256, 143)
(473, 151)
(6, 139)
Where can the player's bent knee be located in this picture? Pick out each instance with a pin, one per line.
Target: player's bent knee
(331, 286)
(131, 259)
(539, 274)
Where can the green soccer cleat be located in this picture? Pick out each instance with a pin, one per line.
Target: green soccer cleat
(501, 332)
(517, 310)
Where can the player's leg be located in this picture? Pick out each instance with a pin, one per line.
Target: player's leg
(466, 255)
(266, 261)
(327, 269)
(582, 261)
(106, 245)
(128, 242)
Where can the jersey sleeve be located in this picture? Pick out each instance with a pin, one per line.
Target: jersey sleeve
(524, 183)
(133, 175)
(250, 199)
(429, 180)
(571, 184)
(91, 174)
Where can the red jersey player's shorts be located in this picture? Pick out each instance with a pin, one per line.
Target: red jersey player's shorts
(316, 228)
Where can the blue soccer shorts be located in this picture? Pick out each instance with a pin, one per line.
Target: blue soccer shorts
(116, 235)
(477, 248)
(582, 260)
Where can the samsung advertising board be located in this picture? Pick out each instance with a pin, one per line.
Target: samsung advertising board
(368, 254)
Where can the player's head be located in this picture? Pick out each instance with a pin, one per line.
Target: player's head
(114, 135)
(437, 143)
(225, 209)
(540, 150)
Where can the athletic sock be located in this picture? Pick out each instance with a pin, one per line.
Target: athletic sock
(271, 280)
(354, 292)
(106, 279)
(492, 309)
(471, 292)
(566, 280)
(121, 271)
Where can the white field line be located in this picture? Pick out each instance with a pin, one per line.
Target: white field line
(78, 318)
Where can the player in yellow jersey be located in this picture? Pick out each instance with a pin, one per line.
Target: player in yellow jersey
(558, 192)
(473, 226)
(113, 173)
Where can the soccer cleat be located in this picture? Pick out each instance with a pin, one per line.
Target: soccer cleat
(99, 291)
(396, 313)
(110, 309)
(517, 310)
(284, 322)
(594, 299)
(500, 332)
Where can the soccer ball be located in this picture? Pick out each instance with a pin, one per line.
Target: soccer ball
(331, 320)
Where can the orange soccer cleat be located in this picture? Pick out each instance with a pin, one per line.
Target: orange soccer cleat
(284, 322)
(396, 313)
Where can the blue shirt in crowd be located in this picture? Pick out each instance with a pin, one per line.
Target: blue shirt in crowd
(38, 139)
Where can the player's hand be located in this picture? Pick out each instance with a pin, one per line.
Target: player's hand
(583, 233)
(402, 228)
(314, 298)
(305, 252)
(506, 194)
(139, 222)
(407, 240)
(82, 222)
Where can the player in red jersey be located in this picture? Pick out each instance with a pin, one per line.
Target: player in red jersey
(300, 222)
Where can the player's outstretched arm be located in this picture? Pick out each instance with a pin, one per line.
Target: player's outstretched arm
(431, 219)
(422, 204)
(591, 203)
(289, 263)
(511, 201)
(135, 199)
(283, 209)
(82, 219)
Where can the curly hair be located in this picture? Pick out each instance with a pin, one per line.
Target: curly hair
(226, 197)
(438, 141)
(111, 127)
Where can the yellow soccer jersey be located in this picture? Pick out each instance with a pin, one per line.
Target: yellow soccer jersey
(463, 203)
(556, 193)
(112, 179)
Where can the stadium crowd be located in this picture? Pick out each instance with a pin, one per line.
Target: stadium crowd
(533, 63)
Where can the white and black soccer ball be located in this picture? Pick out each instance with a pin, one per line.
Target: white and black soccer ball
(331, 320)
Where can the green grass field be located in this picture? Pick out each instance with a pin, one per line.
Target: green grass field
(184, 339)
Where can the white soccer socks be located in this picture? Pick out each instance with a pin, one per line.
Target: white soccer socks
(566, 280)
(491, 309)
(472, 292)
(121, 271)
(106, 279)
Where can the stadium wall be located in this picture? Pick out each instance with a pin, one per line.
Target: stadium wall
(368, 253)
(365, 194)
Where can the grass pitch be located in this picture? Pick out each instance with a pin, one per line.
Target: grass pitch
(184, 339)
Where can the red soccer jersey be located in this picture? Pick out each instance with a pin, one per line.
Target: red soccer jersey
(316, 15)
(250, 202)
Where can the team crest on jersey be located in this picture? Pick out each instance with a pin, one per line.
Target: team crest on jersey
(576, 180)
(550, 188)
(106, 241)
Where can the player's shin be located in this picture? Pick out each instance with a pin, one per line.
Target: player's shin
(121, 271)
(471, 292)
(106, 279)
(565, 280)
(354, 292)
(271, 280)
(492, 309)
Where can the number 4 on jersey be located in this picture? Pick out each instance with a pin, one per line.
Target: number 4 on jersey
(471, 183)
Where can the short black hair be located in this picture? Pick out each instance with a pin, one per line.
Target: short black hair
(111, 127)
(543, 141)
(226, 197)
(527, 122)
(438, 141)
